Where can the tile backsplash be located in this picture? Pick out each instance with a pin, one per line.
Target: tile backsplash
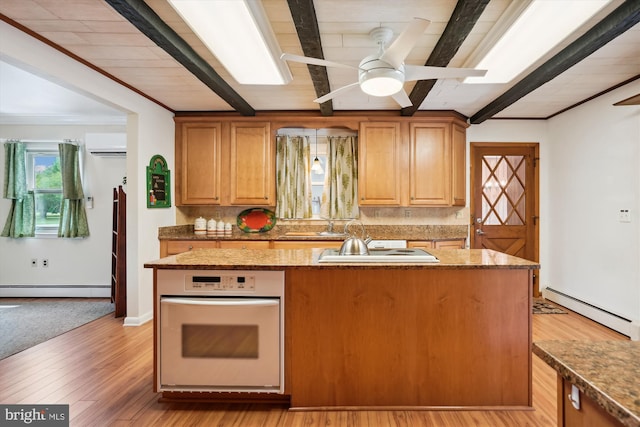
(368, 215)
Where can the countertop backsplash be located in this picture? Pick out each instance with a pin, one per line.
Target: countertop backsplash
(186, 215)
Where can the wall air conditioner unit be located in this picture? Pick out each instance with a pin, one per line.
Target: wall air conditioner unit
(106, 144)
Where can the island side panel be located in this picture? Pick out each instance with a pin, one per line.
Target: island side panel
(414, 337)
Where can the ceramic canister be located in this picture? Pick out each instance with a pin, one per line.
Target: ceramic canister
(200, 226)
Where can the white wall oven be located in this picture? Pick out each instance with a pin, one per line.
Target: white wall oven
(220, 330)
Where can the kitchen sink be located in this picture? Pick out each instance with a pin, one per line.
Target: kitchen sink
(382, 256)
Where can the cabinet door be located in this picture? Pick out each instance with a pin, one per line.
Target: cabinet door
(252, 164)
(458, 165)
(421, 244)
(198, 163)
(429, 164)
(379, 164)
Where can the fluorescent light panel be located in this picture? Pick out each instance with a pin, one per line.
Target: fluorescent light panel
(238, 33)
(541, 26)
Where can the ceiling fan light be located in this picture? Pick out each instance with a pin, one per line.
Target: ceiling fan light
(381, 82)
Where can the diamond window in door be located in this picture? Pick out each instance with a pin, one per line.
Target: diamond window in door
(503, 185)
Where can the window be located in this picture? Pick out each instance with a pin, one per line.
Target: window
(45, 179)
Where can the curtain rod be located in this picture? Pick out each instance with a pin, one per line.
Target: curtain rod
(41, 141)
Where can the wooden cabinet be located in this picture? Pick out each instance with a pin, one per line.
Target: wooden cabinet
(429, 164)
(458, 165)
(224, 163)
(173, 247)
(252, 168)
(302, 244)
(198, 163)
(379, 163)
(590, 413)
(437, 244)
(244, 244)
(417, 163)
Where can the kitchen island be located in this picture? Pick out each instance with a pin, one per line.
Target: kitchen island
(452, 334)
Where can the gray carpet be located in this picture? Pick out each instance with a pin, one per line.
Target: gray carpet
(26, 322)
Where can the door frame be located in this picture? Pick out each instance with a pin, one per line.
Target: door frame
(473, 146)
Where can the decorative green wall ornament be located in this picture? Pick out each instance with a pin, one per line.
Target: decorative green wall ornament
(158, 183)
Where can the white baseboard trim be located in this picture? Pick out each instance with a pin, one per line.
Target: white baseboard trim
(137, 321)
(55, 291)
(628, 327)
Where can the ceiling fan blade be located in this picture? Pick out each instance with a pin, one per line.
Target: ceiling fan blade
(417, 72)
(402, 99)
(336, 92)
(402, 45)
(314, 61)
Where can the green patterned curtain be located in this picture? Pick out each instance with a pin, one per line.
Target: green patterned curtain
(73, 217)
(21, 221)
(340, 195)
(293, 184)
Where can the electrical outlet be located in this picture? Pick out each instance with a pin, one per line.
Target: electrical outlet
(376, 213)
(34, 262)
(407, 213)
(45, 262)
(459, 214)
(624, 215)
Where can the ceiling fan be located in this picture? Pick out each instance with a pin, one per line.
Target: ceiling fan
(384, 73)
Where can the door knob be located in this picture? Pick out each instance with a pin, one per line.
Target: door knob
(480, 232)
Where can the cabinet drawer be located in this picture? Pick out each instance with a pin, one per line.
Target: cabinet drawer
(306, 244)
(178, 246)
(243, 244)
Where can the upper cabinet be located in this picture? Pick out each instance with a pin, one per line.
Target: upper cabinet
(252, 164)
(222, 162)
(379, 163)
(402, 161)
(412, 163)
(198, 163)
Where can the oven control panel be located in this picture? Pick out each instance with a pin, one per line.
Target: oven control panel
(223, 282)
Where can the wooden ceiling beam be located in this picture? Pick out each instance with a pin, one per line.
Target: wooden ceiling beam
(150, 24)
(464, 17)
(617, 22)
(304, 17)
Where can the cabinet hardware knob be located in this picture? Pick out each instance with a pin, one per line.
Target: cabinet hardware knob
(190, 247)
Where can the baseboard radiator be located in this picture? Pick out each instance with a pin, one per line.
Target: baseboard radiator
(55, 291)
(613, 321)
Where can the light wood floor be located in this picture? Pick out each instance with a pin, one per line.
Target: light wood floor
(104, 372)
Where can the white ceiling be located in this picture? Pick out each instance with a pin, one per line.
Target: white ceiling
(95, 32)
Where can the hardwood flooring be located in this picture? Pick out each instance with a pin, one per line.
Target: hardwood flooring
(104, 372)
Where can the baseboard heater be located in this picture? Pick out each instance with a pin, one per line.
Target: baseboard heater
(62, 291)
(613, 321)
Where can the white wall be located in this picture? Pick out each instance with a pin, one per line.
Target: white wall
(150, 131)
(589, 170)
(81, 263)
(594, 169)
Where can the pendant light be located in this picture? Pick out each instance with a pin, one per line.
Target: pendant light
(317, 165)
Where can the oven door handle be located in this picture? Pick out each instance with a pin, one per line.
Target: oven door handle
(253, 302)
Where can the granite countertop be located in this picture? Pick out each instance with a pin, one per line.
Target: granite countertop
(272, 259)
(606, 371)
(280, 232)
